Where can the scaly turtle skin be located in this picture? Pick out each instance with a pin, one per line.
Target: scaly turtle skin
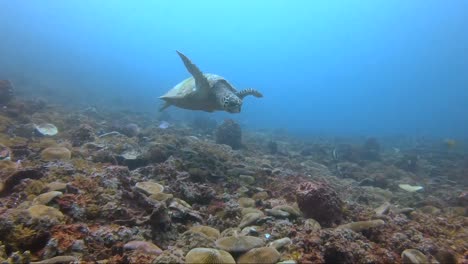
(207, 92)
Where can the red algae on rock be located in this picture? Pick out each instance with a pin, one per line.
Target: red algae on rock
(319, 201)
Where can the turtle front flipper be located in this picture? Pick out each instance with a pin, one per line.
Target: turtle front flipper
(201, 82)
(243, 93)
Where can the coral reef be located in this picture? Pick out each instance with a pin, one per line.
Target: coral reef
(111, 187)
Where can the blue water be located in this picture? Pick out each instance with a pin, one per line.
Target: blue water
(364, 67)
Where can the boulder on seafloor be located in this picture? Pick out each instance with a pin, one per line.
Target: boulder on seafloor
(266, 255)
(208, 255)
(6, 91)
(363, 225)
(83, 134)
(319, 201)
(413, 256)
(56, 153)
(7, 185)
(229, 133)
(370, 150)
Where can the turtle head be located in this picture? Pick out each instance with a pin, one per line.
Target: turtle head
(232, 103)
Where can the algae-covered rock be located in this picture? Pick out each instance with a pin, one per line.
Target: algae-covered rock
(363, 225)
(144, 246)
(208, 256)
(190, 239)
(248, 210)
(57, 260)
(295, 212)
(56, 153)
(266, 255)
(277, 213)
(312, 225)
(149, 187)
(45, 198)
(246, 179)
(260, 196)
(238, 244)
(207, 230)
(56, 186)
(40, 211)
(249, 219)
(413, 256)
(161, 196)
(246, 202)
(280, 243)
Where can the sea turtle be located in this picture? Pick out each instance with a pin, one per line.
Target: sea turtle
(207, 92)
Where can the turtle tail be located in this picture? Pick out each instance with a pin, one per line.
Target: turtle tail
(249, 91)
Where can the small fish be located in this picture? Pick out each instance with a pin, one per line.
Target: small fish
(163, 125)
(335, 155)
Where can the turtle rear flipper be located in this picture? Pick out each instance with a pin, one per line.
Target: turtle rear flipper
(165, 105)
(243, 93)
(201, 82)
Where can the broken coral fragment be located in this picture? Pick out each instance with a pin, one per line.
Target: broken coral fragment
(46, 129)
(149, 187)
(410, 188)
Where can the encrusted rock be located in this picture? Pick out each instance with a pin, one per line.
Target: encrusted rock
(363, 225)
(246, 179)
(413, 256)
(206, 230)
(239, 244)
(144, 246)
(229, 133)
(208, 256)
(149, 187)
(319, 201)
(280, 243)
(14, 179)
(57, 260)
(56, 186)
(249, 219)
(383, 209)
(56, 153)
(248, 210)
(83, 134)
(277, 213)
(287, 208)
(246, 202)
(42, 211)
(190, 239)
(312, 225)
(267, 255)
(45, 198)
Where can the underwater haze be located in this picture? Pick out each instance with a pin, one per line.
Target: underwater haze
(364, 67)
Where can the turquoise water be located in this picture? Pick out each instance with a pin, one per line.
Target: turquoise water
(324, 67)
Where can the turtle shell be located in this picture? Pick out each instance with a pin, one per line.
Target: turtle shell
(188, 89)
